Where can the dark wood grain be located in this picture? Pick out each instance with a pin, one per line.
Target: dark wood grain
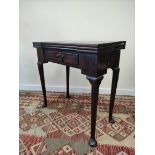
(93, 59)
(88, 47)
(113, 92)
(41, 73)
(67, 81)
(95, 82)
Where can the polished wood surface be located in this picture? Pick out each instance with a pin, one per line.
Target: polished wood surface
(67, 81)
(95, 83)
(93, 59)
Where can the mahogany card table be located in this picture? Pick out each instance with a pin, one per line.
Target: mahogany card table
(93, 59)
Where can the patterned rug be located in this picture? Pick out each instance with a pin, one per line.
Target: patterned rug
(63, 128)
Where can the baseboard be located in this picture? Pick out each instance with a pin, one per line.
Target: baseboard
(28, 87)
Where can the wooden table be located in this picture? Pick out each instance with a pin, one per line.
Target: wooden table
(93, 59)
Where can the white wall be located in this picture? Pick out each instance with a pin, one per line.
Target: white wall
(75, 20)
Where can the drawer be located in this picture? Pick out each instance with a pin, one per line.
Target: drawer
(63, 57)
(71, 58)
(55, 56)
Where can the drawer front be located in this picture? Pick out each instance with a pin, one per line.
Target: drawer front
(65, 58)
(55, 56)
(71, 59)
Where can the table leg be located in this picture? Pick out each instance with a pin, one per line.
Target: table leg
(113, 92)
(67, 81)
(41, 73)
(95, 83)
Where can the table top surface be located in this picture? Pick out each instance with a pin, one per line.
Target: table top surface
(82, 45)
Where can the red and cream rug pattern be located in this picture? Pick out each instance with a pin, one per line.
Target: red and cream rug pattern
(63, 128)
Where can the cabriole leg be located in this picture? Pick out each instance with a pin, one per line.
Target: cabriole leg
(41, 73)
(67, 81)
(95, 83)
(113, 93)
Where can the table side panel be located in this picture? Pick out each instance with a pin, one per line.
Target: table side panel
(88, 64)
(108, 60)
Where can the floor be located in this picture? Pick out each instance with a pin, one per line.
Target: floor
(63, 128)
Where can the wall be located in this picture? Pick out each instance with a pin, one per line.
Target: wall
(75, 20)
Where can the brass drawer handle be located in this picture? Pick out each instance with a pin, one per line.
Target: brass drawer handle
(60, 56)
